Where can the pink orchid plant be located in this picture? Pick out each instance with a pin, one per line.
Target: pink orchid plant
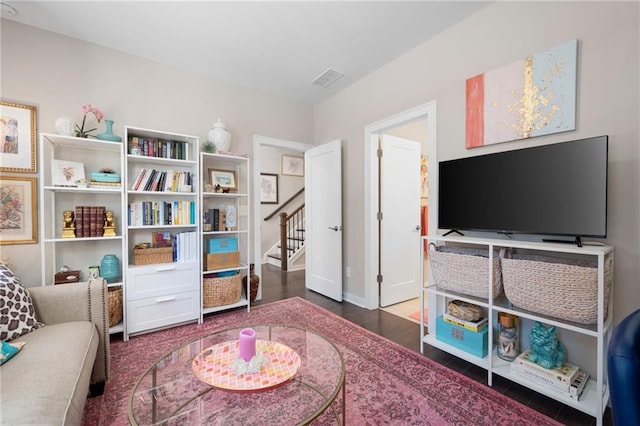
(86, 109)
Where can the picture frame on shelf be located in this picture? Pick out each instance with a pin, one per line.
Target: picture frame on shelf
(18, 144)
(66, 173)
(268, 188)
(292, 166)
(18, 210)
(225, 178)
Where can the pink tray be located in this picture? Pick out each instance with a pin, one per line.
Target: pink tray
(215, 366)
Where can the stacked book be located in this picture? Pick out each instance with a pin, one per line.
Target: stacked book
(569, 379)
(89, 221)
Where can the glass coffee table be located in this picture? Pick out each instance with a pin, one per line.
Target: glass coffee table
(190, 384)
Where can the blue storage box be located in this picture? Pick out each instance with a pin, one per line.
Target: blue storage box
(473, 342)
(105, 177)
(223, 245)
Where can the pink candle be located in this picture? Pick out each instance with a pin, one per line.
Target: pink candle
(247, 343)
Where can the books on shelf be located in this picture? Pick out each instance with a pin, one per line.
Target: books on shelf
(559, 378)
(469, 325)
(161, 148)
(143, 213)
(214, 220)
(89, 221)
(163, 181)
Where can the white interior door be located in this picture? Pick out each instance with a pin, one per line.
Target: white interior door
(400, 225)
(323, 211)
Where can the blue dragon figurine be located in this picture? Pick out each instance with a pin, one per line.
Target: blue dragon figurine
(546, 349)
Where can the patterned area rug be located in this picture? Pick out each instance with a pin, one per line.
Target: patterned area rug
(386, 383)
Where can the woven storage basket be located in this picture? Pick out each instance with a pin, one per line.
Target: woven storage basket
(115, 305)
(465, 311)
(149, 256)
(221, 291)
(558, 287)
(465, 270)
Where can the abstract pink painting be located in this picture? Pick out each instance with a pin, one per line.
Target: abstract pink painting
(531, 97)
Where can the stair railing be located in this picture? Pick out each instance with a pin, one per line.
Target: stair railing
(283, 205)
(291, 235)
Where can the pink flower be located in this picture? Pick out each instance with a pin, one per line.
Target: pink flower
(86, 109)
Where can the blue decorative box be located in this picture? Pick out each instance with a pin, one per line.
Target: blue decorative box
(223, 245)
(105, 177)
(473, 342)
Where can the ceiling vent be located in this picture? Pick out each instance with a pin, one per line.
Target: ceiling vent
(327, 78)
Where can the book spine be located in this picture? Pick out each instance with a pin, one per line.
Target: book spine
(100, 221)
(86, 221)
(79, 219)
(93, 221)
(216, 219)
(223, 220)
(472, 326)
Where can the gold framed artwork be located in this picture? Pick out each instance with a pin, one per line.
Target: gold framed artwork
(18, 144)
(292, 166)
(225, 178)
(18, 210)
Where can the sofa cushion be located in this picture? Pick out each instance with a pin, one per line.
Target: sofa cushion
(9, 350)
(48, 381)
(17, 316)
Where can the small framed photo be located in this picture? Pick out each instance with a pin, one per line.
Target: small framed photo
(18, 144)
(268, 188)
(292, 166)
(66, 173)
(18, 210)
(225, 178)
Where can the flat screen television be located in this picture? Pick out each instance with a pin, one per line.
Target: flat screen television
(558, 190)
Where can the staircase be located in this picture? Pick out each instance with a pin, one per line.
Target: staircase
(290, 250)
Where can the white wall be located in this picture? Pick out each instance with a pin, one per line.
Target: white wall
(59, 74)
(608, 93)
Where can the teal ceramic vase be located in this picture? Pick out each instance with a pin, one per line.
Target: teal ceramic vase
(110, 268)
(108, 134)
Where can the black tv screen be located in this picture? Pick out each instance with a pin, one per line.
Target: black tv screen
(558, 189)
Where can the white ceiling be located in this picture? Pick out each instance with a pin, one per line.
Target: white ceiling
(274, 47)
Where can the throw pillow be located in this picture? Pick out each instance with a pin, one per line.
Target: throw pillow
(9, 350)
(17, 315)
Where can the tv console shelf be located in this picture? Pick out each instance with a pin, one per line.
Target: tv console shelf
(590, 340)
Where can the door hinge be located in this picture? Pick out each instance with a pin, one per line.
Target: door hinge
(379, 152)
(379, 278)
(379, 215)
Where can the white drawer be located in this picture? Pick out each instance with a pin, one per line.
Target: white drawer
(161, 311)
(162, 279)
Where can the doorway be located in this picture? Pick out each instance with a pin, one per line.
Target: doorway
(260, 142)
(425, 112)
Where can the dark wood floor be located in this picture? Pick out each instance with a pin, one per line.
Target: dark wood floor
(277, 285)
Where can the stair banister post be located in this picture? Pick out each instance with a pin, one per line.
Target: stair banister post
(284, 255)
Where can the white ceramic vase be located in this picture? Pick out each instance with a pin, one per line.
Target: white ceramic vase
(220, 136)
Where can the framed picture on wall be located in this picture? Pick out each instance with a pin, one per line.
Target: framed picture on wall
(18, 210)
(18, 144)
(268, 188)
(292, 166)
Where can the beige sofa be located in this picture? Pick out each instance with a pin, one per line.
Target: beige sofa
(48, 381)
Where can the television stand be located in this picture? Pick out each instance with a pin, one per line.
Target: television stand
(452, 232)
(577, 241)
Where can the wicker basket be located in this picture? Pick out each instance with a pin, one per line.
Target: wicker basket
(558, 287)
(465, 311)
(221, 291)
(465, 270)
(149, 256)
(115, 305)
